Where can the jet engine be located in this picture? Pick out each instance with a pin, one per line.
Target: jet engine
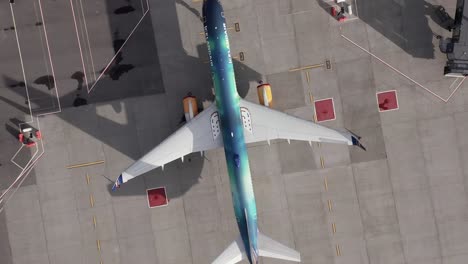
(264, 94)
(190, 107)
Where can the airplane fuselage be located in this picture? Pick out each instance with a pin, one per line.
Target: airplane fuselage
(227, 102)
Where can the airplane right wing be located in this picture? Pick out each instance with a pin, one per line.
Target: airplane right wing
(264, 124)
(199, 134)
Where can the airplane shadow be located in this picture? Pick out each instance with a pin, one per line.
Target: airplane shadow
(119, 79)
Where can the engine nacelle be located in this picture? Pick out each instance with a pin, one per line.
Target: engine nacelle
(264, 94)
(190, 107)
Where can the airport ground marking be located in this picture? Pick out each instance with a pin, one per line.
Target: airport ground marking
(21, 60)
(330, 208)
(308, 67)
(325, 181)
(87, 39)
(338, 250)
(79, 45)
(21, 177)
(333, 227)
(91, 200)
(85, 164)
(49, 55)
(406, 76)
(120, 49)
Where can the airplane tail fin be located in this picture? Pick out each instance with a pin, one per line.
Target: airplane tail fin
(270, 248)
(267, 247)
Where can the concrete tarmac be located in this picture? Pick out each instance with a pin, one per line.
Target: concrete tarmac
(403, 201)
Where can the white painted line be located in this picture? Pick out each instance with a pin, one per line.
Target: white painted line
(14, 156)
(79, 45)
(453, 92)
(21, 60)
(50, 56)
(404, 75)
(27, 169)
(118, 51)
(87, 39)
(142, 8)
(25, 174)
(396, 98)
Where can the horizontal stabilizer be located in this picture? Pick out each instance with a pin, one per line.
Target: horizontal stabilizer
(233, 254)
(268, 247)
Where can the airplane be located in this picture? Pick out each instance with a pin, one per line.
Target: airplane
(232, 123)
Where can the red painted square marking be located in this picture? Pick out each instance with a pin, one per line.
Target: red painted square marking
(387, 101)
(157, 197)
(325, 110)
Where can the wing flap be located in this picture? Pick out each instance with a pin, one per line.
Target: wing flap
(269, 124)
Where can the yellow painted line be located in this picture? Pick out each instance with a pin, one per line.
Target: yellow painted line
(338, 250)
(307, 67)
(334, 228)
(326, 184)
(330, 206)
(322, 162)
(94, 221)
(85, 164)
(307, 76)
(98, 242)
(311, 97)
(87, 178)
(315, 117)
(91, 200)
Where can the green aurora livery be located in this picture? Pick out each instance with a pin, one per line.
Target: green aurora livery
(232, 116)
(227, 102)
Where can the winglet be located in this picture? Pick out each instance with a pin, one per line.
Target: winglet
(117, 183)
(356, 142)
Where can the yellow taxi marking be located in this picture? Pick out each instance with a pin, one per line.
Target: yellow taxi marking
(85, 164)
(313, 66)
(338, 250)
(91, 200)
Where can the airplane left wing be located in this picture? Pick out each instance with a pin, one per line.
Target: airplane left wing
(199, 134)
(264, 124)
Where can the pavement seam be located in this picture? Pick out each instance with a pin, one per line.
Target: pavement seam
(429, 189)
(360, 214)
